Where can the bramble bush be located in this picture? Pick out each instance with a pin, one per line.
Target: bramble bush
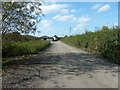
(105, 43)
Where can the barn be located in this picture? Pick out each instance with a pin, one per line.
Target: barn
(54, 38)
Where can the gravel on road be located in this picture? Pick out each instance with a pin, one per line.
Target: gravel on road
(62, 66)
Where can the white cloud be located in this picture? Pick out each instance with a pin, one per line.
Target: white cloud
(79, 27)
(71, 18)
(115, 24)
(83, 19)
(53, 8)
(61, 34)
(67, 11)
(64, 18)
(96, 6)
(104, 8)
(46, 23)
(73, 10)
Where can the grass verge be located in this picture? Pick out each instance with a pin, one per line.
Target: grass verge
(16, 52)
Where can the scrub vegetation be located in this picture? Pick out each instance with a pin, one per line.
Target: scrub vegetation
(105, 42)
(15, 45)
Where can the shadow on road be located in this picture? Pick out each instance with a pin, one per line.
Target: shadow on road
(45, 66)
(82, 62)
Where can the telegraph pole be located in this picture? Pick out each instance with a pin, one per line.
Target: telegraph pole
(70, 30)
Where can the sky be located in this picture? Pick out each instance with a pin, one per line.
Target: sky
(80, 16)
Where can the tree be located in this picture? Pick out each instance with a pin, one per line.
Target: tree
(105, 28)
(65, 36)
(20, 17)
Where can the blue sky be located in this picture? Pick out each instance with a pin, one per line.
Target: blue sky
(80, 16)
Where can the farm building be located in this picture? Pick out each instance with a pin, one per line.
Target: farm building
(44, 37)
(54, 38)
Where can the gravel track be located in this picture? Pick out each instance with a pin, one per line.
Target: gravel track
(62, 66)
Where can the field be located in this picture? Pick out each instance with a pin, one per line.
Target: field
(13, 48)
(16, 47)
(104, 43)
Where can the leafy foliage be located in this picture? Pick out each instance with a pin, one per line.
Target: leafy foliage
(105, 28)
(15, 44)
(104, 42)
(20, 38)
(20, 16)
(13, 48)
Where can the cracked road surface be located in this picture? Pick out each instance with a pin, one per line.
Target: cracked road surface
(62, 66)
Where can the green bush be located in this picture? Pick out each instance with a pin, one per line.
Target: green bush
(13, 48)
(104, 42)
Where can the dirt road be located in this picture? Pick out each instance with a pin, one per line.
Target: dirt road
(62, 66)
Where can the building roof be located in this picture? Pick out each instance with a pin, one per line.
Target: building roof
(49, 37)
(44, 36)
